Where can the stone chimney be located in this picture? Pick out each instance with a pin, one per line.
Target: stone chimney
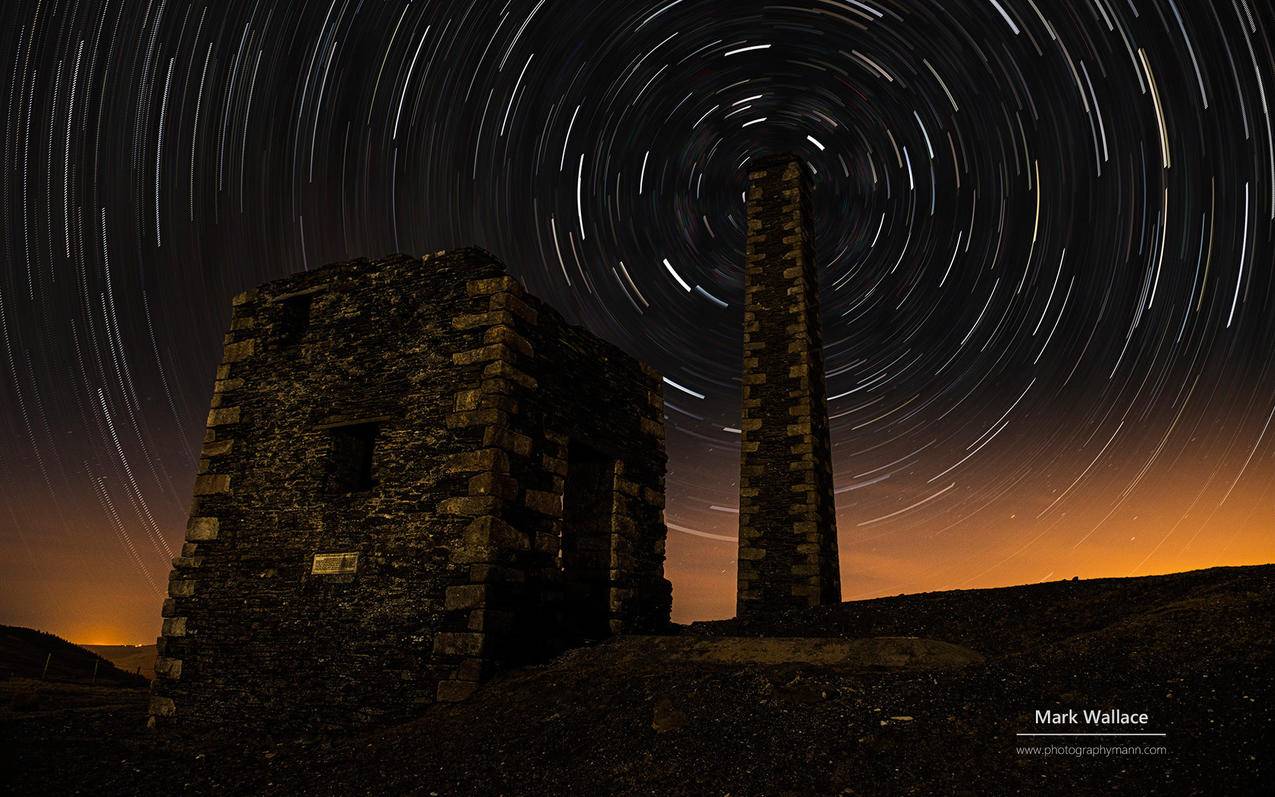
(787, 515)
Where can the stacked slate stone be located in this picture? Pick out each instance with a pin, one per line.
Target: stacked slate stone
(787, 524)
(379, 518)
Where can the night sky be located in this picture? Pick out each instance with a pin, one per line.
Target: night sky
(1044, 234)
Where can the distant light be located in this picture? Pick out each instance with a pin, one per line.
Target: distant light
(815, 141)
(755, 121)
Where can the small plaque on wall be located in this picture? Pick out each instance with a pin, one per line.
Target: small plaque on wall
(335, 564)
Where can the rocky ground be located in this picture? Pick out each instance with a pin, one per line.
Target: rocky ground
(725, 708)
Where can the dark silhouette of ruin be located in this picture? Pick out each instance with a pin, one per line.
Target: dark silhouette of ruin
(787, 516)
(413, 474)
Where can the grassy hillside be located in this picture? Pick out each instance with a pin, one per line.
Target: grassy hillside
(129, 658)
(24, 652)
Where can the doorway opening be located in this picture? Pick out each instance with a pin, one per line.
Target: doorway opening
(585, 551)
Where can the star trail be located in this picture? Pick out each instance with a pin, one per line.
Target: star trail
(1044, 237)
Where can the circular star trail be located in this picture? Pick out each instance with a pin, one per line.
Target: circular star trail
(1043, 234)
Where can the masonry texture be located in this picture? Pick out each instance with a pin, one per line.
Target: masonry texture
(413, 474)
(787, 517)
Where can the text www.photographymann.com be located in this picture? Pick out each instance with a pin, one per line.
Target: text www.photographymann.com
(1091, 750)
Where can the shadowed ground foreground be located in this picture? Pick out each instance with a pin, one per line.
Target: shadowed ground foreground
(711, 711)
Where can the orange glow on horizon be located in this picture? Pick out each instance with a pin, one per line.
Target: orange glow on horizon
(1184, 520)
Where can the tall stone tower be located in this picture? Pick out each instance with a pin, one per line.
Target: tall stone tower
(787, 517)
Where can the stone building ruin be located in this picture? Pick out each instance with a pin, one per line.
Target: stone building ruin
(413, 474)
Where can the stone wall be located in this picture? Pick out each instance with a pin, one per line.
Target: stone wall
(377, 519)
(787, 525)
(534, 388)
